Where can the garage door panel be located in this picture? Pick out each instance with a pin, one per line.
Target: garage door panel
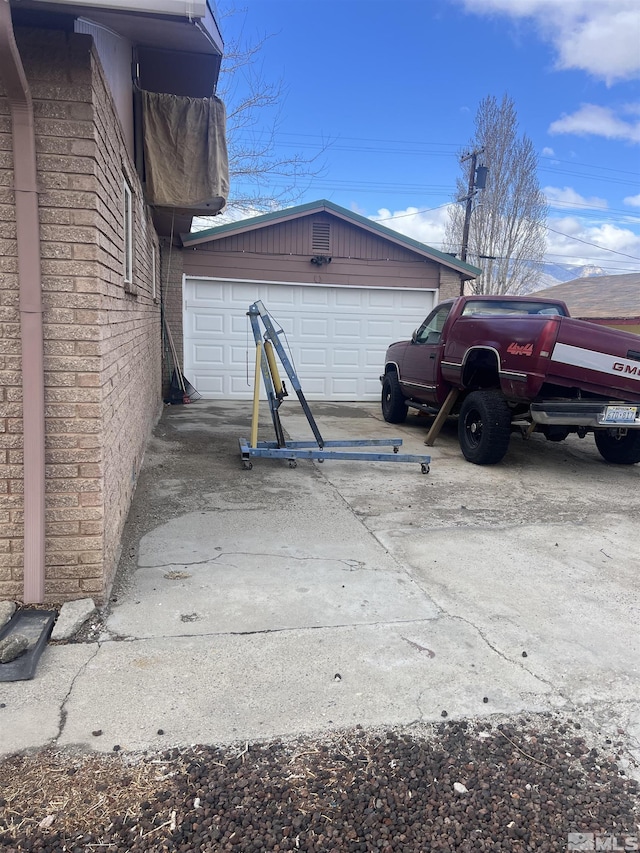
(315, 327)
(374, 358)
(205, 296)
(350, 329)
(314, 387)
(277, 296)
(345, 387)
(379, 298)
(346, 357)
(312, 357)
(372, 388)
(239, 388)
(410, 300)
(208, 385)
(336, 337)
(312, 297)
(239, 355)
(208, 356)
(381, 330)
(243, 294)
(206, 323)
(287, 324)
(345, 297)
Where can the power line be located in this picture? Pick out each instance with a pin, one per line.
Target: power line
(588, 243)
(420, 146)
(413, 213)
(591, 166)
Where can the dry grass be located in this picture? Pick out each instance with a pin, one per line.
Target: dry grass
(74, 792)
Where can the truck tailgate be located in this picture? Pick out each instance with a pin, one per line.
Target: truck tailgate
(597, 359)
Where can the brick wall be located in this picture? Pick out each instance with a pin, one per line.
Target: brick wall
(102, 343)
(449, 284)
(171, 272)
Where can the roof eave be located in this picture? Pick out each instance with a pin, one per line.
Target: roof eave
(197, 238)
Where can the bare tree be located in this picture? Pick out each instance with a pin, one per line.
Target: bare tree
(262, 176)
(506, 229)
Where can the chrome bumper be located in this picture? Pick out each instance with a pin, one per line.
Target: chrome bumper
(585, 413)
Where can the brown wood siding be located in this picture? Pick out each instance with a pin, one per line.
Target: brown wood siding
(282, 252)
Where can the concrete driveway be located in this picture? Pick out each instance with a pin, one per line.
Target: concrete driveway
(278, 601)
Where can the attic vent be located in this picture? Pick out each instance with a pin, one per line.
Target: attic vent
(321, 238)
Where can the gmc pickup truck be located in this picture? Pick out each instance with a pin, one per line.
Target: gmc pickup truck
(509, 363)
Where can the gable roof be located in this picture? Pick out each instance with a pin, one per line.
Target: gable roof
(196, 238)
(601, 296)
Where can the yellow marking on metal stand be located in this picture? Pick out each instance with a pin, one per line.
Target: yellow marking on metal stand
(273, 368)
(256, 396)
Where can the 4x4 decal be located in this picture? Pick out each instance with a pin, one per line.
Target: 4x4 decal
(520, 349)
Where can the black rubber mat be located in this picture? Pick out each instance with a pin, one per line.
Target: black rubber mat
(36, 626)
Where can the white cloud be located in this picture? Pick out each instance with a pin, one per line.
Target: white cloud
(429, 227)
(561, 248)
(597, 36)
(567, 197)
(592, 120)
(548, 152)
(633, 200)
(201, 223)
(425, 226)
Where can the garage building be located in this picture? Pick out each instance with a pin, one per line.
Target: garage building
(341, 286)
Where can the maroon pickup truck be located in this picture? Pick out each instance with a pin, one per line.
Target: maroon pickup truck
(505, 363)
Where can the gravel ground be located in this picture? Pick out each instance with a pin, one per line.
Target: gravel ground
(518, 786)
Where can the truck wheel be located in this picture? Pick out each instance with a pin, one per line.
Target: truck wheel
(484, 427)
(394, 410)
(622, 447)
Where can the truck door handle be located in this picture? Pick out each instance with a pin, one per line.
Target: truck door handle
(433, 355)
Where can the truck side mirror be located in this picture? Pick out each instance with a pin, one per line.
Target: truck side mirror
(414, 336)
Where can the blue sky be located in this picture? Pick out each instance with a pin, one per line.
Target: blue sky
(390, 88)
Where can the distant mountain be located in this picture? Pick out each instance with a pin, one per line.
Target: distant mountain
(552, 274)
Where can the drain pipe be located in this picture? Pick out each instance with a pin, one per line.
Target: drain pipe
(30, 284)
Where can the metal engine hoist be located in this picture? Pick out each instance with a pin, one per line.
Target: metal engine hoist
(267, 344)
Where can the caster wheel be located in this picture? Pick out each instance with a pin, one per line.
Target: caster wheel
(395, 448)
(424, 468)
(293, 463)
(248, 466)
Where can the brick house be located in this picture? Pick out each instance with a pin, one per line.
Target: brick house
(87, 206)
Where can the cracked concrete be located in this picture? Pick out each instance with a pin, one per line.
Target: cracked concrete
(271, 602)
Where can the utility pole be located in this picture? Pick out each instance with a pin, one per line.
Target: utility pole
(477, 181)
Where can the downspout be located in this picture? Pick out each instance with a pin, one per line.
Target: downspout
(30, 284)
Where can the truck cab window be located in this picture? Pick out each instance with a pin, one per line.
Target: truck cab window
(430, 331)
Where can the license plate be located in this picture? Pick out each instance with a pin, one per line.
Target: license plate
(619, 414)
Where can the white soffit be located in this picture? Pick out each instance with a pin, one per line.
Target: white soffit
(180, 8)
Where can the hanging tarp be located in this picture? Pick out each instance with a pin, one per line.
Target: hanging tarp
(185, 152)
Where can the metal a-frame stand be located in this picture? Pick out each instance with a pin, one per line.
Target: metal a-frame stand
(266, 366)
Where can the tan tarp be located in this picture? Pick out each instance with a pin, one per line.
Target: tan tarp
(185, 152)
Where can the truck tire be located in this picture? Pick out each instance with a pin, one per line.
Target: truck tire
(484, 427)
(394, 409)
(622, 447)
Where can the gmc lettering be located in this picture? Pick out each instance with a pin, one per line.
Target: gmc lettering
(626, 368)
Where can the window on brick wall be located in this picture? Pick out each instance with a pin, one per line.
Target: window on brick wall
(127, 219)
(155, 270)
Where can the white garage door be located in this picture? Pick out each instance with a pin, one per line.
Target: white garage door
(337, 335)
